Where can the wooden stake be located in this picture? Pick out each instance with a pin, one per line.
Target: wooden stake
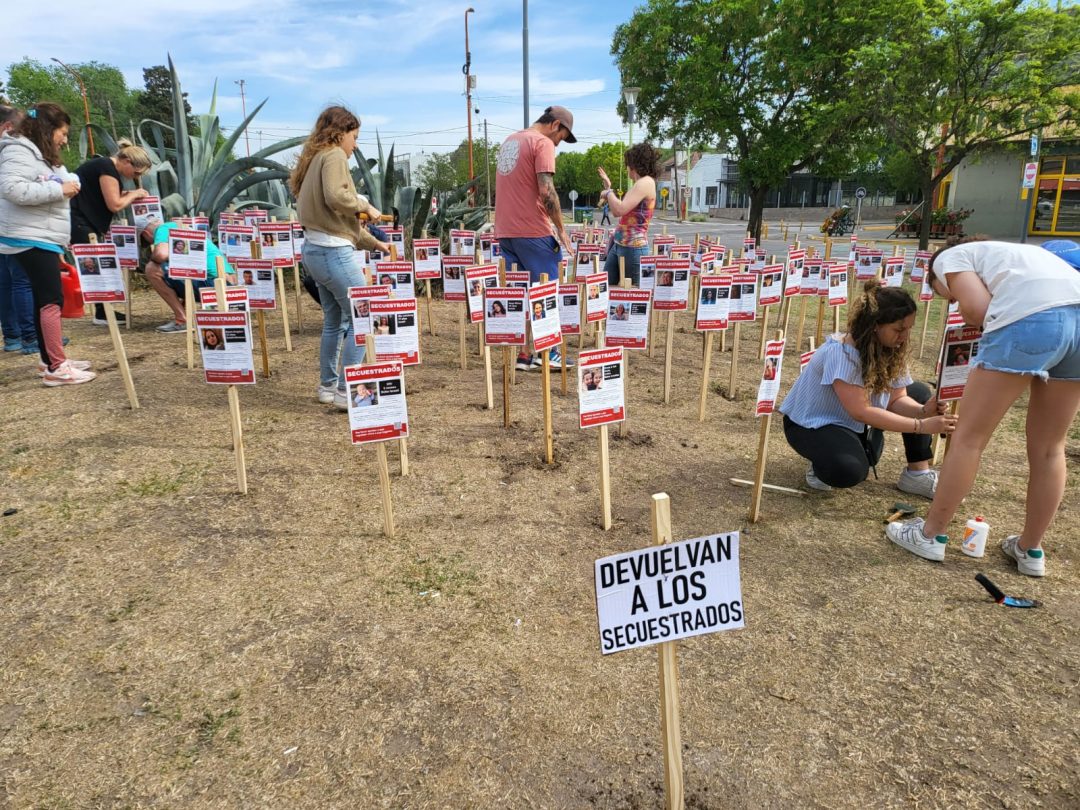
(667, 357)
(925, 323)
(489, 393)
(299, 297)
(263, 350)
(605, 463)
(507, 362)
(127, 297)
(705, 364)
(284, 307)
(762, 459)
(384, 488)
(625, 284)
(820, 317)
(802, 319)
(121, 356)
(189, 314)
(732, 382)
(427, 298)
(652, 330)
(371, 356)
(740, 482)
(545, 385)
(238, 438)
(462, 339)
(668, 670)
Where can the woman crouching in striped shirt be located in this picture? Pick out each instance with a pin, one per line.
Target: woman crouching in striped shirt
(857, 386)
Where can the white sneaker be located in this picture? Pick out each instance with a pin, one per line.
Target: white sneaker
(909, 534)
(1031, 563)
(814, 482)
(341, 400)
(924, 484)
(81, 365)
(67, 374)
(326, 394)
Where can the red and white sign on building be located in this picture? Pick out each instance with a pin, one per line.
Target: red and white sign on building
(628, 318)
(99, 273)
(377, 408)
(601, 395)
(225, 342)
(769, 388)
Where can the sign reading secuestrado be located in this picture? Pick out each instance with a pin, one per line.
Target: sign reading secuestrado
(664, 593)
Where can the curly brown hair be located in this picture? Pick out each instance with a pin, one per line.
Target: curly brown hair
(643, 159)
(332, 125)
(41, 121)
(878, 306)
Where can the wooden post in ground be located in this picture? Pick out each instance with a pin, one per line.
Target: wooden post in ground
(925, 323)
(256, 253)
(384, 489)
(296, 279)
(605, 461)
(733, 381)
(705, 364)
(117, 340)
(545, 385)
(370, 356)
(667, 356)
(625, 284)
(762, 457)
(189, 315)
(127, 296)
(234, 396)
(461, 337)
(668, 670)
(279, 273)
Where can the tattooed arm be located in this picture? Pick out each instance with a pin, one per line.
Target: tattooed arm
(549, 201)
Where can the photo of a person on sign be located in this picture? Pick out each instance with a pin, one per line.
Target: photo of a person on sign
(666, 279)
(497, 310)
(538, 310)
(180, 247)
(619, 313)
(89, 267)
(708, 296)
(365, 396)
(213, 340)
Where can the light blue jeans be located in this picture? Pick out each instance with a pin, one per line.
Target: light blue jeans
(335, 269)
(633, 264)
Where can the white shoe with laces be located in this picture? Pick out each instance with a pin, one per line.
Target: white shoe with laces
(81, 365)
(1031, 563)
(924, 484)
(326, 394)
(909, 534)
(67, 374)
(814, 482)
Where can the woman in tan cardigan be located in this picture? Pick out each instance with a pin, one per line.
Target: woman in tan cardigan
(329, 210)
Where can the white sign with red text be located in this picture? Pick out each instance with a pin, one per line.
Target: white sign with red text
(125, 237)
(596, 296)
(477, 279)
(570, 309)
(393, 323)
(398, 276)
(601, 395)
(628, 318)
(769, 388)
(377, 409)
(257, 276)
(453, 270)
(544, 315)
(504, 316)
(187, 254)
(426, 259)
(236, 299)
(225, 342)
(360, 309)
(672, 284)
(99, 272)
(714, 298)
(743, 302)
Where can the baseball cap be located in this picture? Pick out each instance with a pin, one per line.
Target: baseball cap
(566, 118)
(1064, 249)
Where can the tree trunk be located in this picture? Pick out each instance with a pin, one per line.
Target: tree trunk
(929, 188)
(757, 209)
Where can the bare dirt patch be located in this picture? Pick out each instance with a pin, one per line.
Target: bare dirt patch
(168, 642)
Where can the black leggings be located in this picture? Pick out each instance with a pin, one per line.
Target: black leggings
(842, 458)
(42, 267)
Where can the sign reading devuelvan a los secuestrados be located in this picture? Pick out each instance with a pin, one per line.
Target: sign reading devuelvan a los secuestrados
(668, 592)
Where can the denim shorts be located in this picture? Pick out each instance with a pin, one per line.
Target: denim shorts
(1045, 344)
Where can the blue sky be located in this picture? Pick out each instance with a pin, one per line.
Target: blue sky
(396, 64)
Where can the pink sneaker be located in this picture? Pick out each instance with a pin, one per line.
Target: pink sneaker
(81, 365)
(67, 374)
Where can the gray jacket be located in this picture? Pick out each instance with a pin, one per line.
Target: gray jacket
(31, 206)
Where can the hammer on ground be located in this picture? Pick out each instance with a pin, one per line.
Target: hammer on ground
(900, 510)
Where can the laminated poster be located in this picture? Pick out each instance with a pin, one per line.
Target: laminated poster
(628, 318)
(398, 276)
(662, 244)
(544, 315)
(125, 238)
(393, 323)
(377, 409)
(463, 243)
(236, 299)
(275, 239)
(838, 283)
(453, 275)
(794, 272)
(586, 261)
(360, 309)
(743, 303)
(961, 344)
(257, 277)
(812, 270)
(894, 271)
(672, 284)
(596, 297)
(146, 209)
(477, 279)
(187, 254)
(713, 300)
(517, 278)
(427, 255)
(99, 273)
(601, 397)
(647, 279)
(570, 309)
(769, 388)
(235, 241)
(772, 281)
(920, 264)
(504, 316)
(225, 342)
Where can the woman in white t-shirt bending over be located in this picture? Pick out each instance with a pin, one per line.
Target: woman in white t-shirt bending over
(1028, 303)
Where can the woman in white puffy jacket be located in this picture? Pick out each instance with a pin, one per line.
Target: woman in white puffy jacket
(35, 227)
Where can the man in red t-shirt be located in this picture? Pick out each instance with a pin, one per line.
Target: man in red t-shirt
(528, 218)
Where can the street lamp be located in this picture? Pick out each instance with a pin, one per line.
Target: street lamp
(85, 104)
(468, 88)
(680, 156)
(243, 108)
(630, 95)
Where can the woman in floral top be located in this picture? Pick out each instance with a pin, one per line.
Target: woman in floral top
(634, 211)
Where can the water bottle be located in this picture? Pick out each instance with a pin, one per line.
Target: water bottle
(975, 534)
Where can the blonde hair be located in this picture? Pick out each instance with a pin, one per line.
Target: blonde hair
(332, 125)
(135, 155)
(877, 306)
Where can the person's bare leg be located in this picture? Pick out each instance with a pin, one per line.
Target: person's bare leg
(1051, 410)
(987, 396)
(156, 276)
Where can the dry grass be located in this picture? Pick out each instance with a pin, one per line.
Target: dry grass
(168, 642)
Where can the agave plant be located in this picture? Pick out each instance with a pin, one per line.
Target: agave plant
(455, 212)
(200, 176)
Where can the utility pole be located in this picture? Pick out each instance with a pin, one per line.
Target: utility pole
(85, 103)
(243, 109)
(525, 58)
(466, 69)
(487, 164)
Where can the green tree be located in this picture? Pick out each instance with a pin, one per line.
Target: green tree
(568, 169)
(444, 171)
(967, 76)
(770, 80)
(155, 101)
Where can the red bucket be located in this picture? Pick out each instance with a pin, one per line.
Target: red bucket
(69, 283)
